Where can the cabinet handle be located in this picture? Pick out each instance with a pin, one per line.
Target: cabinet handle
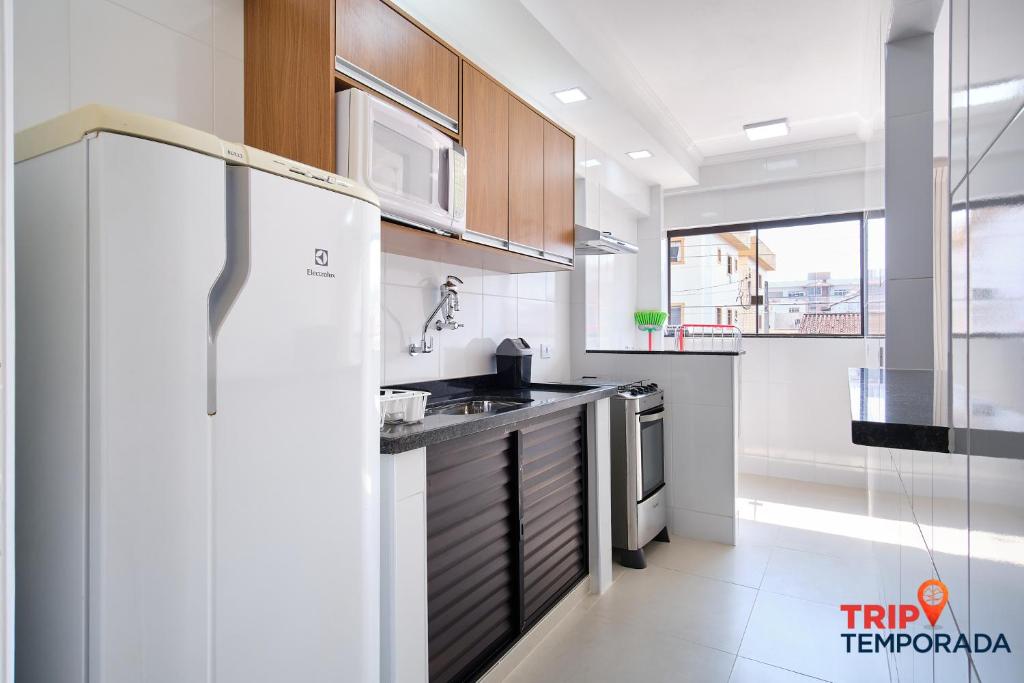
(363, 76)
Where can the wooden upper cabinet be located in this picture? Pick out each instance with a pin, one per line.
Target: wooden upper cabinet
(525, 176)
(374, 37)
(485, 109)
(559, 188)
(289, 91)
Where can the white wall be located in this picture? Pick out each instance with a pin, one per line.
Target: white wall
(494, 306)
(176, 59)
(824, 181)
(794, 399)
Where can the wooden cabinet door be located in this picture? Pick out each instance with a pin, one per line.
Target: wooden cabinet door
(553, 506)
(485, 107)
(525, 176)
(380, 41)
(472, 569)
(559, 191)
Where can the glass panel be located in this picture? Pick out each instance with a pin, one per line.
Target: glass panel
(874, 275)
(812, 281)
(401, 165)
(652, 453)
(713, 278)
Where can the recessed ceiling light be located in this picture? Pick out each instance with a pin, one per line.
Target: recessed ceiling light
(571, 95)
(780, 164)
(639, 154)
(590, 163)
(767, 129)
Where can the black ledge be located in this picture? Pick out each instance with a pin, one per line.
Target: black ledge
(896, 409)
(900, 409)
(544, 399)
(668, 352)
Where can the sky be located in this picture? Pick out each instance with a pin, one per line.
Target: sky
(829, 247)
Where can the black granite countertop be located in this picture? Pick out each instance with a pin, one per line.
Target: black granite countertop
(670, 352)
(909, 409)
(896, 409)
(544, 398)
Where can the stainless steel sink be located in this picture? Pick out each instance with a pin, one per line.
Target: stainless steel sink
(475, 407)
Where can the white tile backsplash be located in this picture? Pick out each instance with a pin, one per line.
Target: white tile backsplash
(228, 97)
(180, 60)
(493, 306)
(194, 18)
(41, 77)
(229, 27)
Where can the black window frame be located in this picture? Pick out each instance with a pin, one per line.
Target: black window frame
(860, 216)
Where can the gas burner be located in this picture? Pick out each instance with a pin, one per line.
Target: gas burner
(640, 388)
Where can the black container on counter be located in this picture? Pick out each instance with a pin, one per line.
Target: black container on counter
(515, 363)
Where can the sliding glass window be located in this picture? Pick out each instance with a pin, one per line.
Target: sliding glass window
(801, 277)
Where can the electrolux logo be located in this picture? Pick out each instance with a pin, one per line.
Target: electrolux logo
(319, 259)
(932, 595)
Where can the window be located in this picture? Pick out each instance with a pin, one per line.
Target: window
(675, 316)
(676, 253)
(801, 276)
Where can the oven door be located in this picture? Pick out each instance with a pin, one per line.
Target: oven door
(650, 474)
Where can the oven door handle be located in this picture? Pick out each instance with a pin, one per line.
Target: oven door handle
(653, 417)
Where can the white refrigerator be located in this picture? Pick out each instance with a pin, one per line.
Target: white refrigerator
(197, 335)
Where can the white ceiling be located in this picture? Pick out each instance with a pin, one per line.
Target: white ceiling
(681, 77)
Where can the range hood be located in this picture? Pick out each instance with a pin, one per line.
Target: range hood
(591, 242)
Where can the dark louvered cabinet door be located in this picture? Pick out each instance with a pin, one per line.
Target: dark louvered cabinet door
(553, 499)
(472, 532)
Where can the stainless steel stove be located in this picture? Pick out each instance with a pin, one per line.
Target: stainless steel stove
(639, 500)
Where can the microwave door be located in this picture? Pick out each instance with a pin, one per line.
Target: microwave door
(408, 169)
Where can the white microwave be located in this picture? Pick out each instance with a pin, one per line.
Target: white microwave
(418, 172)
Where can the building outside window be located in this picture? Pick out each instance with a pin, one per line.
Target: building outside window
(797, 277)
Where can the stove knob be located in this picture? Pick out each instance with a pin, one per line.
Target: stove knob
(634, 392)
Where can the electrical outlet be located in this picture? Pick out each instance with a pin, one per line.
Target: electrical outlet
(545, 350)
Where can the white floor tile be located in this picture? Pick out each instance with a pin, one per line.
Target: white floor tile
(703, 611)
(743, 563)
(588, 649)
(803, 636)
(822, 578)
(749, 671)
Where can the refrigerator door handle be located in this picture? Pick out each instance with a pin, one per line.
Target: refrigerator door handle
(233, 276)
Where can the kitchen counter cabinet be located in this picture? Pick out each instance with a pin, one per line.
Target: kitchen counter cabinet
(482, 535)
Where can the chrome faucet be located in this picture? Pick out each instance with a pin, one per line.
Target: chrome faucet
(450, 303)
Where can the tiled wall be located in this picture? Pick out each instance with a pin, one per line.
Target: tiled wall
(176, 59)
(700, 432)
(494, 306)
(795, 410)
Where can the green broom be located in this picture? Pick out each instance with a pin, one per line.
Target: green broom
(650, 322)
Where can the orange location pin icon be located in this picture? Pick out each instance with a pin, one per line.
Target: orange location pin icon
(933, 596)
